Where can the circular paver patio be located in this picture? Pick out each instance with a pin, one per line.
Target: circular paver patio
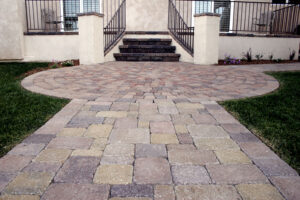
(116, 79)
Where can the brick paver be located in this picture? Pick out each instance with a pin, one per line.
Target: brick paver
(147, 131)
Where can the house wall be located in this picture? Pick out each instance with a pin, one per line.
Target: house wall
(51, 47)
(146, 15)
(11, 29)
(279, 47)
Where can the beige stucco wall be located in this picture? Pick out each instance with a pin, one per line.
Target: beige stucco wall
(11, 29)
(279, 47)
(206, 41)
(91, 49)
(147, 15)
(51, 47)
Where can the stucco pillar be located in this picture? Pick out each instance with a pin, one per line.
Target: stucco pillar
(91, 39)
(206, 45)
(12, 20)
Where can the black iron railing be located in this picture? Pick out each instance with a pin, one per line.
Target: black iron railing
(179, 29)
(244, 16)
(236, 17)
(52, 16)
(115, 27)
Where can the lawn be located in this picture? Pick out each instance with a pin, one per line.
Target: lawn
(275, 117)
(22, 112)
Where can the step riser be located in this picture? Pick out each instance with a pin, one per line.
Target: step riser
(147, 58)
(161, 43)
(137, 50)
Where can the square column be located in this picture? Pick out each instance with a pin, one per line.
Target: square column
(206, 44)
(91, 38)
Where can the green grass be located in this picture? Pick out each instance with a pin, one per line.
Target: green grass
(275, 117)
(21, 112)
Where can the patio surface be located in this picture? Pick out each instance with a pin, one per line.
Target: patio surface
(147, 131)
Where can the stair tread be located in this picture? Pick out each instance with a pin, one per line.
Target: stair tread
(147, 40)
(148, 54)
(146, 47)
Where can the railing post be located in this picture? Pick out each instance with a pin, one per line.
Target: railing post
(91, 38)
(206, 43)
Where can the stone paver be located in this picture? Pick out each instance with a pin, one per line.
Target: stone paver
(150, 150)
(288, 186)
(70, 143)
(188, 175)
(162, 128)
(152, 171)
(164, 192)
(27, 149)
(98, 131)
(259, 192)
(132, 191)
(164, 139)
(191, 157)
(214, 192)
(147, 131)
(14, 163)
(19, 197)
(114, 174)
(53, 155)
(130, 136)
(77, 169)
(207, 131)
(235, 174)
(71, 191)
(34, 183)
(232, 157)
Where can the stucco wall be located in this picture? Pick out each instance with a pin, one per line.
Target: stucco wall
(11, 29)
(51, 47)
(147, 15)
(279, 47)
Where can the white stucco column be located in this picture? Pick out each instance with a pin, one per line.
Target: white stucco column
(12, 22)
(206, 45)
(91, 38)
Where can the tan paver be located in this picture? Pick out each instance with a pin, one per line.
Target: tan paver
(164, 192)
(259, 192)
(130, 198)
(99, 131)
(99, 144)
(181, 129)
(112, 114)
(164, 139)
(215, 144)
(114, 174)
(19, 197)
(215, 192)
(29, 183)
(232, 157)
(191, 157)
(53, 155)
(87, 152)
(72, 132)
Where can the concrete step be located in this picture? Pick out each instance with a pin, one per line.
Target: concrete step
(146, 41)
(147, 49)
(155, 57)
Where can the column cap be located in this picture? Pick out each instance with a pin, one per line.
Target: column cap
(90, 14)
(207, 14)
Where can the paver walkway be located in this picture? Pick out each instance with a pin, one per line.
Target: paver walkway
(147, 131)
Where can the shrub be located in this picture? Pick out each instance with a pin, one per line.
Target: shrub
(248, 55)
(292, 54)
(259, 56)
(54, 66)
(271, 57)
(67, 63)
(229, 60)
